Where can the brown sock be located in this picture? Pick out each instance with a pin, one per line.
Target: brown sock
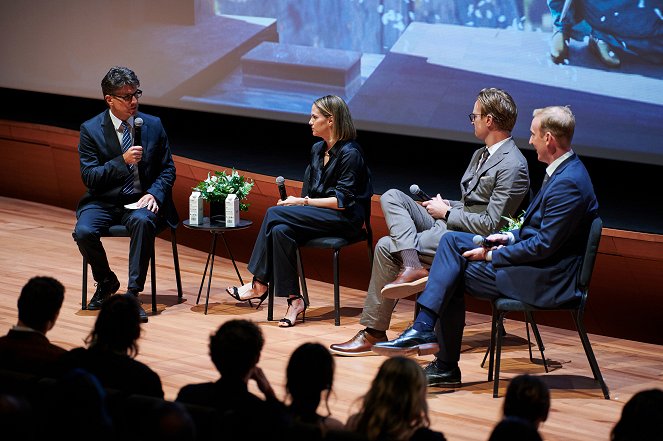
(375, 333)
(410, 258)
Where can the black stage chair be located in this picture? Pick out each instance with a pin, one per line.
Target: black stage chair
(503, 306)
(336, 244)
(121, 231)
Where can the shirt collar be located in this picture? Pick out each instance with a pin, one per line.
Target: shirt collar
(557, 162)
(493, 148)
(117, 122)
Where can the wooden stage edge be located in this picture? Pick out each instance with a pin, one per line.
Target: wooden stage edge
(629, 265)
(36, 240)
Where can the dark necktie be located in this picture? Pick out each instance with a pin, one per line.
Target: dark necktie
(545, 179)
(484, 156)
(128, 186)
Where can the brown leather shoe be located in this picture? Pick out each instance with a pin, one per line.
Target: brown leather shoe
(409, 281)
(559, 50)
(603, 52)
(358, 346)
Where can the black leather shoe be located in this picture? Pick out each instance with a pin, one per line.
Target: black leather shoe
(105, 289)
(410, 342)
(141, 311)
(440, 377)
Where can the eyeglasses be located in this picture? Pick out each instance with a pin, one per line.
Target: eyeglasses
(474, 116)
(138, 93)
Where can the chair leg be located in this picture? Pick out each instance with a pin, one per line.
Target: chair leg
(491, 345)
(529, 316)
(302, 278)
(498, 356)
(577, 317)
(176, 263)
(270, 302)
(153, 279)
(337, 294)
(84, 287)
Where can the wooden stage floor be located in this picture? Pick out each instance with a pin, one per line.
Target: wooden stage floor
(36, 240)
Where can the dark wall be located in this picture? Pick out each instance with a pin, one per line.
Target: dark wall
(281, 148)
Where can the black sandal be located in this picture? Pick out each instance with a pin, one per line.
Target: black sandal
(285, 322)
(234, 293)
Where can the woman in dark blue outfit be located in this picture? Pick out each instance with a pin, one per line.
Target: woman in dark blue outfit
(335, 196)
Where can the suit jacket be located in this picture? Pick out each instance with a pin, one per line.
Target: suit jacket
(104, 171)
(496, 189)
(29, 352)
(540, 268)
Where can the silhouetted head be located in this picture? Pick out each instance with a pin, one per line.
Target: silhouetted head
(395, 406)
(527, 397)
(642, 417)
(118, 325)
(310, 372)
(40, 302)
(235, 348)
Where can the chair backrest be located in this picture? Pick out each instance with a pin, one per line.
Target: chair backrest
(591, 251)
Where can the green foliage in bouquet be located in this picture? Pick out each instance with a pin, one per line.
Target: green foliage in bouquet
(513, 223)
(216, 187)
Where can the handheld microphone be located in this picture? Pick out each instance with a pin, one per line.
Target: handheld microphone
(138, 135)
(280, 183)
(419, 193)
(483, 242)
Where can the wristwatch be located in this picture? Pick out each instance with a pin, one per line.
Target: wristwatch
(305, 200)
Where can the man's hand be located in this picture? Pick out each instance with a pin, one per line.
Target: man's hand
(476, 254)
(500, 238)
(133, 155)
(263, 384)
(437, 207)
(149, 202)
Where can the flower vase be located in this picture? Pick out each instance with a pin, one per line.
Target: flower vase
(217, 211)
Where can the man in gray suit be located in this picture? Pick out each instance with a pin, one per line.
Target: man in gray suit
(494, 185)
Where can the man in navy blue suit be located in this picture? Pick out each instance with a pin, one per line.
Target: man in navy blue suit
(123, 163)
(536, 264)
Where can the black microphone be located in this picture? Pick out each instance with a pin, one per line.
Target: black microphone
(419, 193)
(138, 138)
(483, 242)
(280, 183)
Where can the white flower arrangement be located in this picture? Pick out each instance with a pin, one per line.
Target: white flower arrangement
(219, 185)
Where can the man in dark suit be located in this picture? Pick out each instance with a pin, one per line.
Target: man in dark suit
(26, 348)
(536, 263)
(123, 163)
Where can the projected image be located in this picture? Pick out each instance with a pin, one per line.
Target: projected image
(412, 66)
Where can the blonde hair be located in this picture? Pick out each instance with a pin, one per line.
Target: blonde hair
(559, 121)
(334, 106)
(395, 406)
(500, 105)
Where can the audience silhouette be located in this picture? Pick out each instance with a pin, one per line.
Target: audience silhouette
(526, 406)
(310, 374)
(235, 351)
(395, 407)
(642, 418)
(26, 348)
(112, 347)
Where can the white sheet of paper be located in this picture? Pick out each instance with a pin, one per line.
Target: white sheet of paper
(133, 206)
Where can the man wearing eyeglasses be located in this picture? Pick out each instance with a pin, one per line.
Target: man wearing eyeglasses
(123, 164)
(494, 185)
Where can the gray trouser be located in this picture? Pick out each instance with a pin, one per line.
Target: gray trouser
(410, 226)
